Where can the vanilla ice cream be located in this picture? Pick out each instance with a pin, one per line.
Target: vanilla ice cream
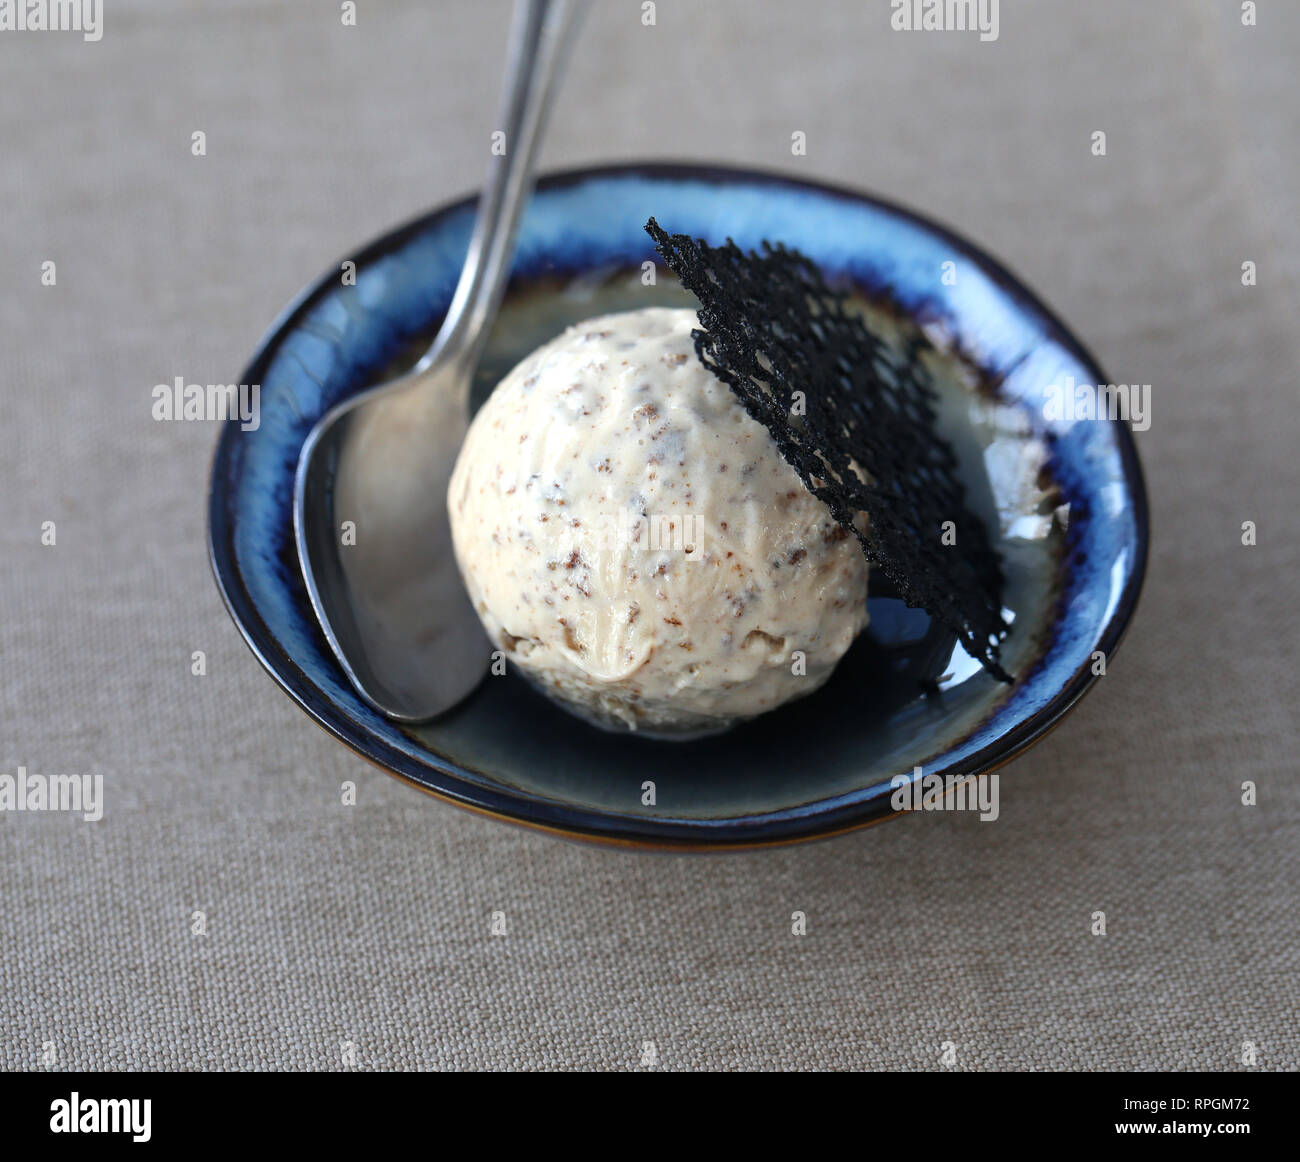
(635, 542)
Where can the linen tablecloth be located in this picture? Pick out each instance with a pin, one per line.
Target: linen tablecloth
(358, 937)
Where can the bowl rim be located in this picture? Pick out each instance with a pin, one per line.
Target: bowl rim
(455, 783)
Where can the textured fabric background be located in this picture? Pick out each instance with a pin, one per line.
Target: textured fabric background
(369, 925)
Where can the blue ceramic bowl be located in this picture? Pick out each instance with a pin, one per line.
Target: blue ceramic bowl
(816, 767)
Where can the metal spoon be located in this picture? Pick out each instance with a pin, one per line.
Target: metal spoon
(370, 492)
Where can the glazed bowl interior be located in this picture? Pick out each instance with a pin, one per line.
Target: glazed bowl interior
(1065, 501)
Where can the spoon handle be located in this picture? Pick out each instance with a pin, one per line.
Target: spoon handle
(539, 33)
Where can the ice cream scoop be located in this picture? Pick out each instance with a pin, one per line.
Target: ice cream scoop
(634, 543)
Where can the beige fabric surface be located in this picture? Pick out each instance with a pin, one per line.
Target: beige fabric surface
(328, 925)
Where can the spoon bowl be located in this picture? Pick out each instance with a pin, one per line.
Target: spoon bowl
(373, 534)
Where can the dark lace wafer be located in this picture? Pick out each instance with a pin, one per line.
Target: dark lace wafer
(771, 327)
